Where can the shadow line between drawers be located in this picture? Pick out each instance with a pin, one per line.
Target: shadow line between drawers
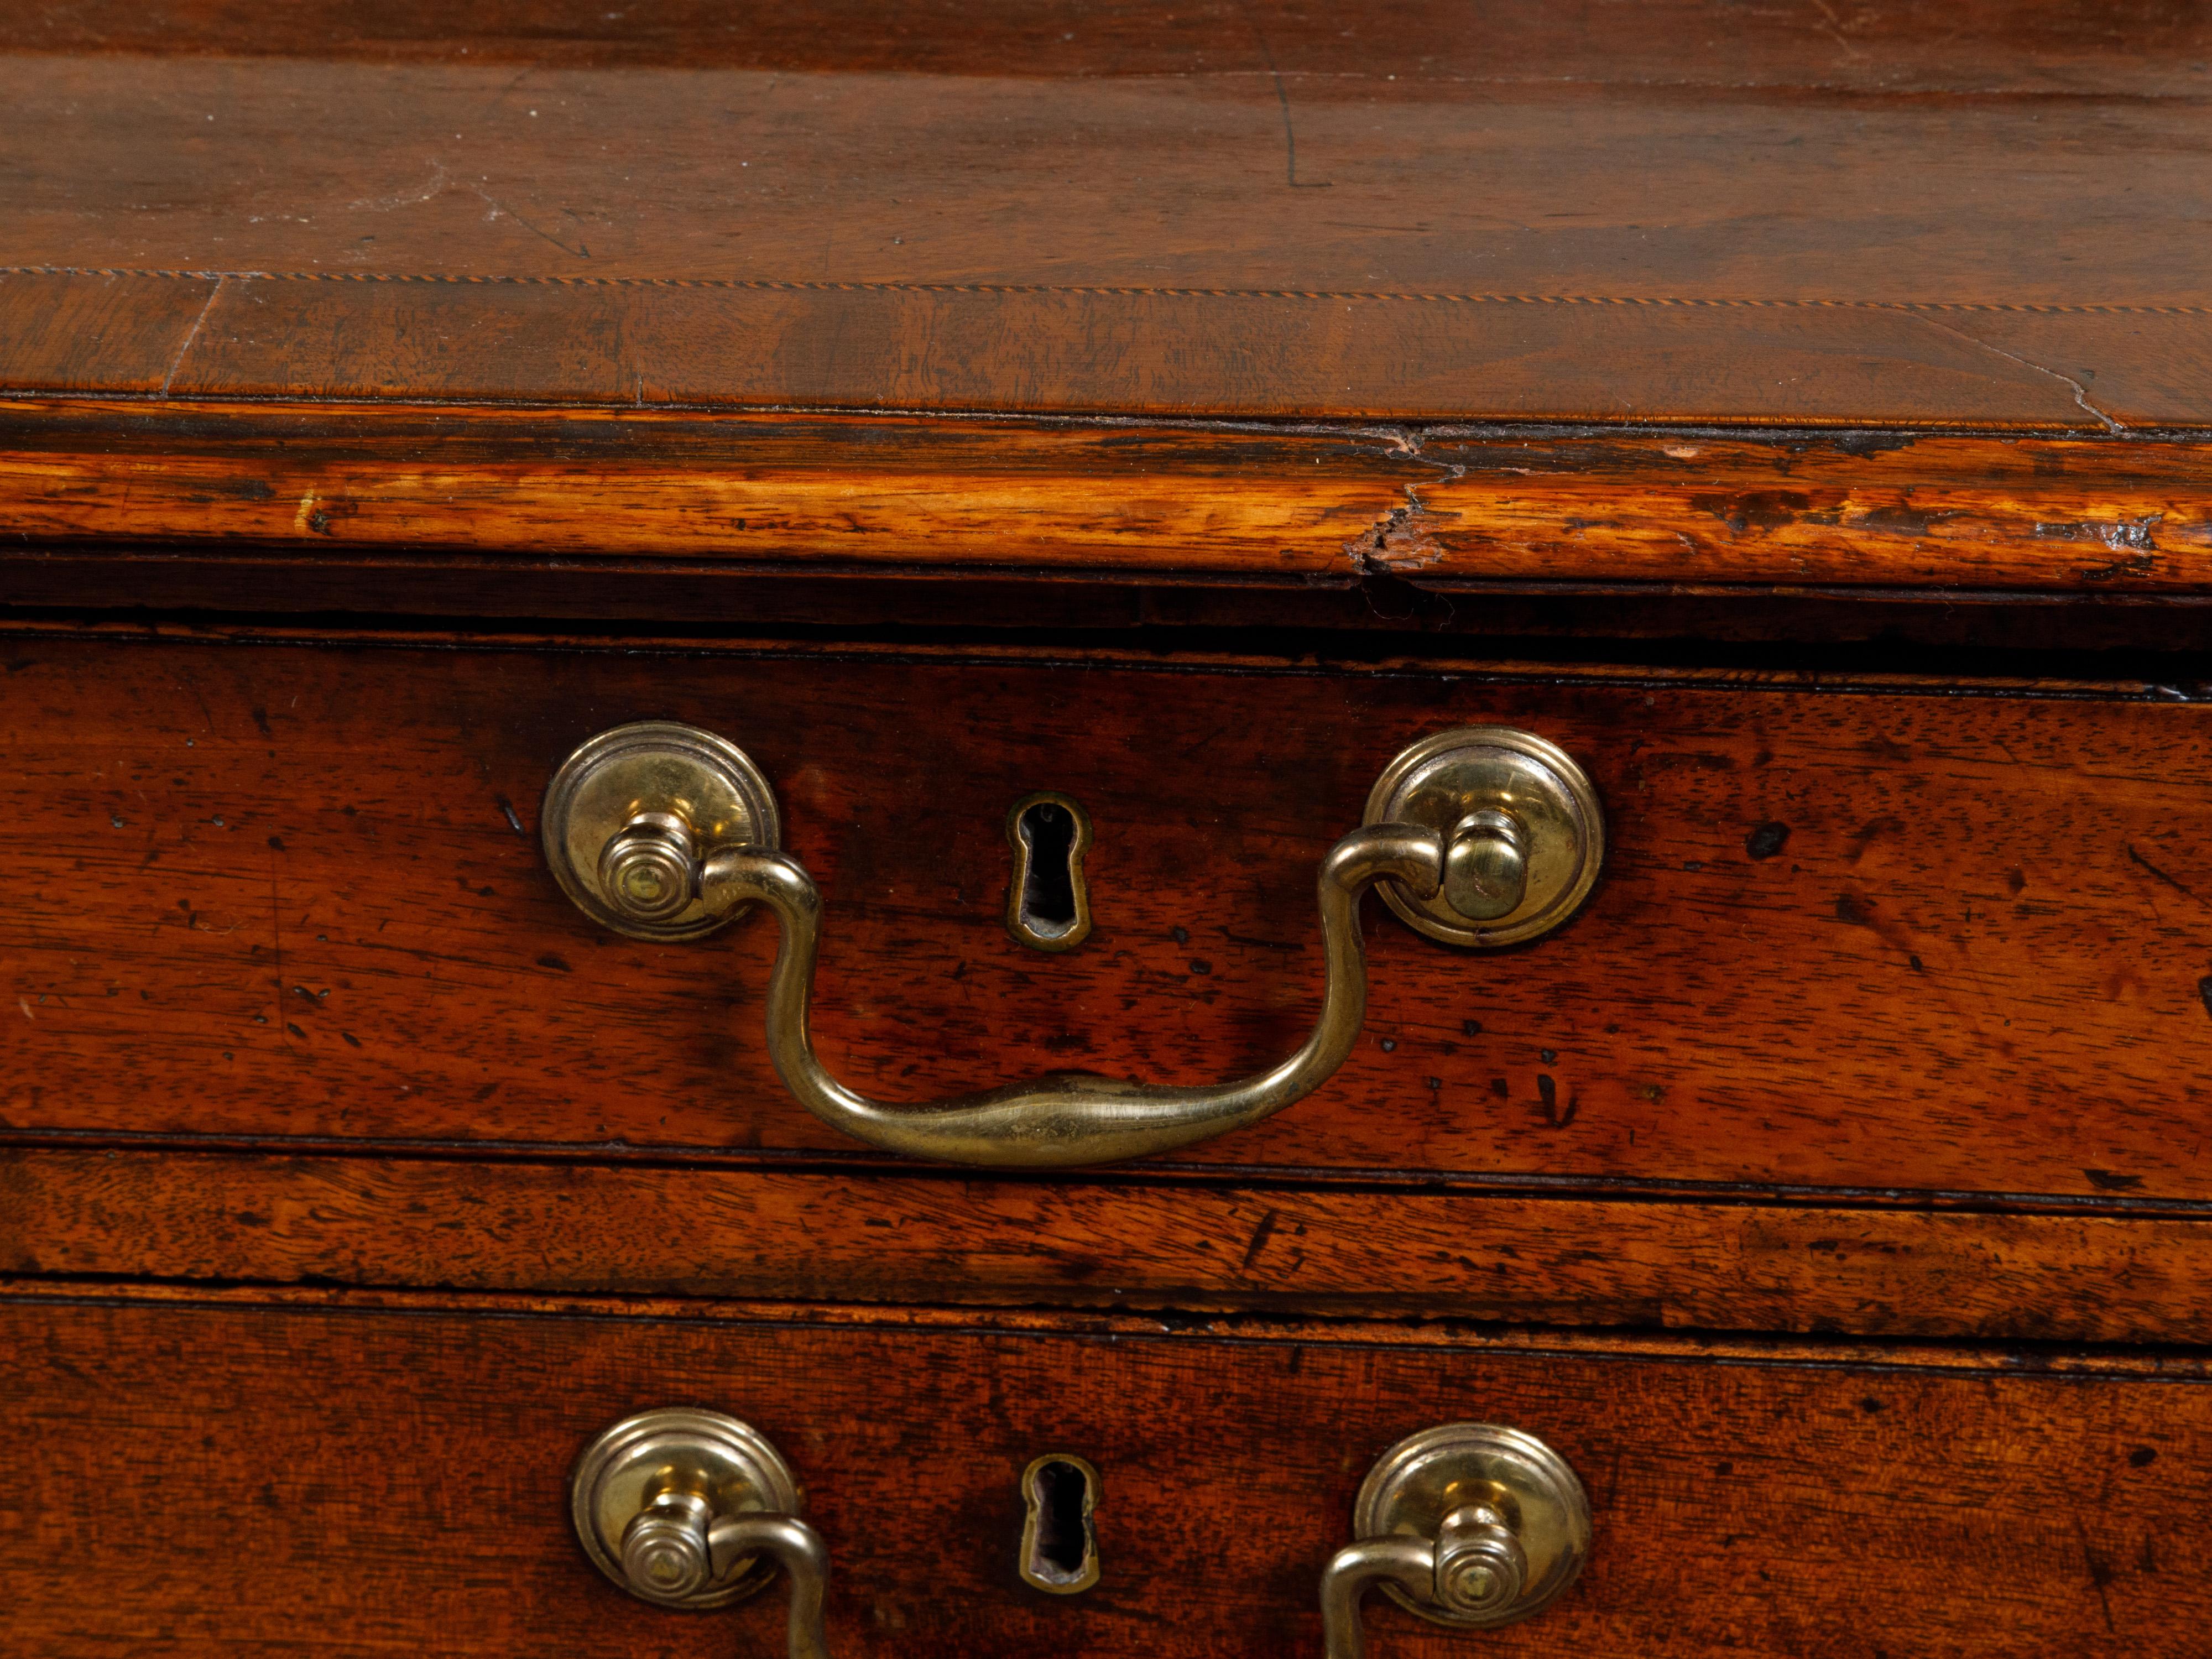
(1152, 1173)
(2149, 1362)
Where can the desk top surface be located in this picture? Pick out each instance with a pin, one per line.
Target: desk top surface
(1979, 216)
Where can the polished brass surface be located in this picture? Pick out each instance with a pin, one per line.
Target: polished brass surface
(1472, 1524)
(1037, 1565)
(1486, 865)
(649, 862)
(1481, 1568)
(1032, 931)
(1527, 828)
(627, 818)
(690, 1509)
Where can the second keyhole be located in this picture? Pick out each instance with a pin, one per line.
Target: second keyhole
(1048, 903)
(1060, 1543)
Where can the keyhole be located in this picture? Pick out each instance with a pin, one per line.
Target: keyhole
(1046, 905)
(1048, 891)
(1059, 1545)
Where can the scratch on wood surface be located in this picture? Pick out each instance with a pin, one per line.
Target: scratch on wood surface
(2137, 857)
(191, 334)
(1283, 101)
(276, 925)
(2081, 393)
(438, 182)
(2100, 1575)
(1261, 1234)
(1833, 27)
(580, 250)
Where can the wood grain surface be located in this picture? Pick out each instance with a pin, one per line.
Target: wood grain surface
(350, 1180)
(1941, 938)
(339, 487)
(1456, 1336)
(1671, 213)
(373, 1482)
(2154, 48)
(517, 1227)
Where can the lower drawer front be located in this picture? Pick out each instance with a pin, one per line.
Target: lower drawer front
(229, 1478)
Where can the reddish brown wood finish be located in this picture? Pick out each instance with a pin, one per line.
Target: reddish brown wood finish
(1271, 209)
(2151, 48)
(269, 890)
(328, 487)
(517, 1227)
(378, 1480)
(350, 1180)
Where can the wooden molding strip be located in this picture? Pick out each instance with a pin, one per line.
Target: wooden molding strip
(332, 484)
(594, 1230)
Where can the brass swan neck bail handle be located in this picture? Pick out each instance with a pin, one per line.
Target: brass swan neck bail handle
(1477, 837)
(1068, 1118)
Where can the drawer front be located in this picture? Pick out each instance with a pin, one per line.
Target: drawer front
(201, 1479)
(1864, 939)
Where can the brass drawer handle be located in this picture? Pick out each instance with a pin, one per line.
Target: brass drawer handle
(1481, 837)
(1471, 1524)
(689, 1508)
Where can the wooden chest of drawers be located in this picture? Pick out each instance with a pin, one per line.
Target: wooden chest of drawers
(976, 519)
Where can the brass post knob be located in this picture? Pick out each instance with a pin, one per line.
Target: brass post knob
(664, 1545)
(630, 817)
(1486, 865)
(1480, 1566)
(1525, 833)
(649, 870)
(691, 1509)
(1472, 1524)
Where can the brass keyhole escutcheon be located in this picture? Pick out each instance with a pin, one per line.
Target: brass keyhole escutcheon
(1048, 901)
(1059, 1543)
(1524, 833)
